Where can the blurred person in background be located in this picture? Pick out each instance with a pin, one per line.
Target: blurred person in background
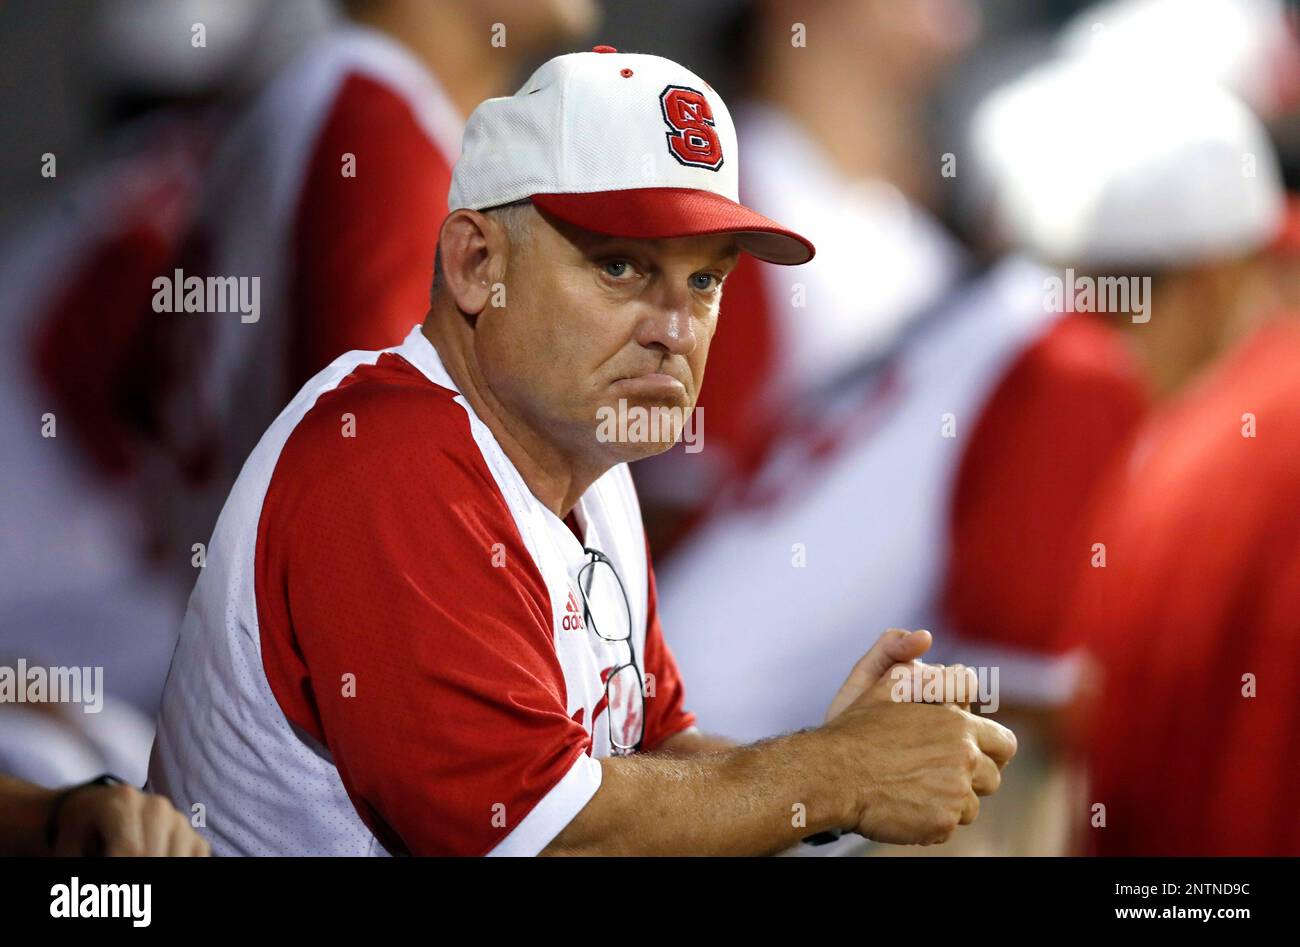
(80, 585)
(1195, 620)
(833, 116)
(1195, 522)
(1181, 190)
(327, 191)
(1187, 580)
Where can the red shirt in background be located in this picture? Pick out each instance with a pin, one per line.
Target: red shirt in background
(1201, 588)
(1068, 405)
(364, 246)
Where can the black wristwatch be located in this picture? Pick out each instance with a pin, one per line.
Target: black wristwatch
(823, 838)
(52, 821)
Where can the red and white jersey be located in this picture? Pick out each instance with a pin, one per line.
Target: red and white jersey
(1195, 619)
(936, 493)
(386, 650)
(330, 189)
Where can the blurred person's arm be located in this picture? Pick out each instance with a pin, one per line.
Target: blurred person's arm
(91, 820)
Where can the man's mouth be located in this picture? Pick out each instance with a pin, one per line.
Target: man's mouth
(651, 385)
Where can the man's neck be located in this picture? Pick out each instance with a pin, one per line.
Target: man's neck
(1172, 350)
(554, 476)
(881, 143)
(467, 67)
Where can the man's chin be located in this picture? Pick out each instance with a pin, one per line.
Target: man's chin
(633, 429)
(611, 455)
(630, 453)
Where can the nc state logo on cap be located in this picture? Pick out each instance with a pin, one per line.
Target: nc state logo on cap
(693, 140)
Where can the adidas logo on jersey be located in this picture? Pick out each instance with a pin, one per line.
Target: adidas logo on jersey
(572, 620)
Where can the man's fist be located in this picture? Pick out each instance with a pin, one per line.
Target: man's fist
(920, 767)
(122, 820)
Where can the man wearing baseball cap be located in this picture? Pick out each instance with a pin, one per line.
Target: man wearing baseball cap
(428, 622)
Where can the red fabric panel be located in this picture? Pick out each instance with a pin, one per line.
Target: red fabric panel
(1069, 404)
(364, 245)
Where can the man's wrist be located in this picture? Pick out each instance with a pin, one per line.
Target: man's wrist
(23, 816)
(60, 800)
(832, 799)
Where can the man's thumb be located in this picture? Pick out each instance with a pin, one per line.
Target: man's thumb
(895, 646)
(900, 646)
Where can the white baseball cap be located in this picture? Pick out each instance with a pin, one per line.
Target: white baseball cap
(1087, 165)
(1246, 46)
(617, 143)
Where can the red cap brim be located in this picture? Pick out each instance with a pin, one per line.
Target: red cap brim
(662, 212)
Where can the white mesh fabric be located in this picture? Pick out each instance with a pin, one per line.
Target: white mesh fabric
(578, 126)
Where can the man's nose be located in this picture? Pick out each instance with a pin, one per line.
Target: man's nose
(667, 323)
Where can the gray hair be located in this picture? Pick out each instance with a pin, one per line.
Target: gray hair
(517, 220)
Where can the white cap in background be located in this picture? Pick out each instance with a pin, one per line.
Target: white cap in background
(1246, 46)
(1091, 166)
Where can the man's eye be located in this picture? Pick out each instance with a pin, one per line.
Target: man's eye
(618, 268)
(704, 281)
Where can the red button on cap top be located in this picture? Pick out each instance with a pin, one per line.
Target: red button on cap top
(603, 49)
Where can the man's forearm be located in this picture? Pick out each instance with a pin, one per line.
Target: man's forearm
(748, 800)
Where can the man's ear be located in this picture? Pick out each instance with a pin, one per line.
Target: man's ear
(474, 250)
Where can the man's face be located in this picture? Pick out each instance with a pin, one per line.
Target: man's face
(597, 332)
